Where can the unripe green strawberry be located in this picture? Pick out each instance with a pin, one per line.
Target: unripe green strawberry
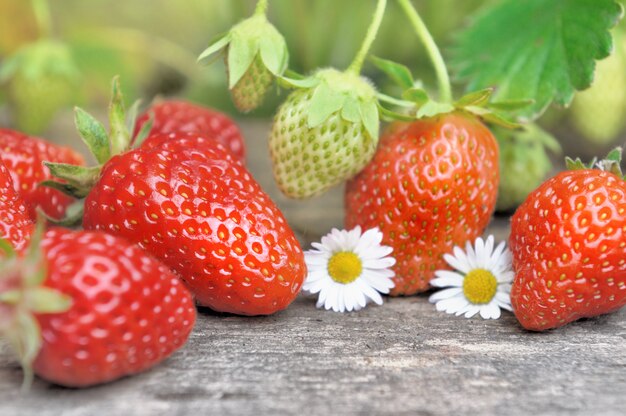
(324, 134)
(598, 112)
(34, 102)
(254, 52)
(250, 90)
(40, 79)
(524, 163)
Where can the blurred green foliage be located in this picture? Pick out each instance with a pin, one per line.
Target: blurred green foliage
(153, 44)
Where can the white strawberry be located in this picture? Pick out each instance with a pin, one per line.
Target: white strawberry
(324, 133)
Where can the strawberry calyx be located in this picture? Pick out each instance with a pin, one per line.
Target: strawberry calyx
(416, 103)
(77, 181)
(346, 93)
(22, 296)
(611, 164)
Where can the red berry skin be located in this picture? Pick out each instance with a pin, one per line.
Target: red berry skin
(129, 311)
(24, 156)
(15, 223)
(183, 116)
(568, 241)
(193, 206)
(431, 185)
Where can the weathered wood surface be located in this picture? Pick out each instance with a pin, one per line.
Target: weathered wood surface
(402, 358)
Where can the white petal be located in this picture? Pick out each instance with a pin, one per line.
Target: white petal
(383, 263)
(472, 310)
(490, 311)
(447, 278)
(444, 294)
(314, 286)
(479, 247)
(506, 277)
(506, 306)
(373, 253)
(348, 298)
(380, 284)
(451, 305)
(458, 261)
(316, 259)
(370, 292)
(471, 255)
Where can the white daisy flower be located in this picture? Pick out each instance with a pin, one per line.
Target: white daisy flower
(480, 284)
(348, 269)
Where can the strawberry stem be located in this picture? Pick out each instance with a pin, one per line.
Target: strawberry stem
(41, 9)
(443, 79)
(372, 31)
(261, 7)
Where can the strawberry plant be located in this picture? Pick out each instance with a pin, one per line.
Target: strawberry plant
(432, 181)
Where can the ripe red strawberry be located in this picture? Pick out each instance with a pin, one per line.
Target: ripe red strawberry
(190, 204)
(15, 224)
(24, 156)
(569, 249)
(101, 310)
(431, 186)
(173, 116)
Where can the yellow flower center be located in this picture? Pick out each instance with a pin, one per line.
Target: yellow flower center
(479, 286)
(344, 267)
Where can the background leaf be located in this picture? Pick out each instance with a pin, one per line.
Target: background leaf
(542, 50)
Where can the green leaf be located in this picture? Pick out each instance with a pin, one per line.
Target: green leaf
(217, 45)
(324, 102)
(432, 108)
(500, 120)
(399, 73)
(577, 164)
(93, 134)
(351, 111)
(394, 101)
(390, 115)
(45, 300)
(273, 51)
(119, 136)
(615, 155)
(241, 53)
(65, 188)
(477, 98)
(510, 105)
(27, 342)
(540, 50)
(370, 118)
(78, 176)
(144, 131)
(131, 115)
(416, 95)
(292, 82)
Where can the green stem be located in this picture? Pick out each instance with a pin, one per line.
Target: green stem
(372, 31)
(261, 7)
(443, 79)
(41, 9)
